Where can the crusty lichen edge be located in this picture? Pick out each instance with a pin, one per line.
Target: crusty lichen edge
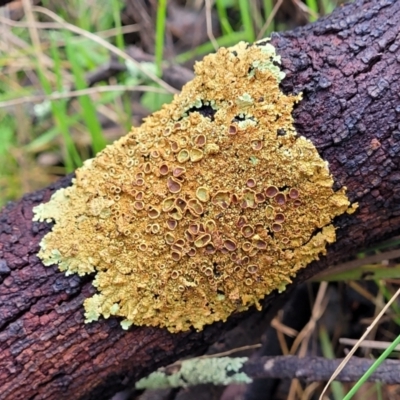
(240, 87)
(198, 371)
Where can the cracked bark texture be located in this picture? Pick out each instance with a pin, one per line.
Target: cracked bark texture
(348, 66)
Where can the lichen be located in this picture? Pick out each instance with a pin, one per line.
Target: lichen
(210, 205)
(217, 371)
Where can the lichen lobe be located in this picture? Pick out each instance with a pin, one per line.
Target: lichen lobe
(206, 208)
(198, 371)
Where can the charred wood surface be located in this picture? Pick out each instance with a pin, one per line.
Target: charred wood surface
(348, 66)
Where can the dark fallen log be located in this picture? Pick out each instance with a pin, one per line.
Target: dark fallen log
(347, 66)
(314, 369)
(307, 369)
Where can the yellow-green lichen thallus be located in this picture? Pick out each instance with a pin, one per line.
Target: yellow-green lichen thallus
(192, 216)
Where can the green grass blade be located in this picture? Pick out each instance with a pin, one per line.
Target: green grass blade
(73, 160)
(223, 18)
(42, 142)
(372, 369)
(327, 351)
(328, 6)
(365, 272)
(60, 112)
(160, 33)
(313, 6)
(119, 39)
(378, 387)
(7, 136)
(88, 108)
(245, 15)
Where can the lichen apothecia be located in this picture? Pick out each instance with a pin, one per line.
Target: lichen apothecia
(203, 210)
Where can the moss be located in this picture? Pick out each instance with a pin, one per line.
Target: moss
(218, 371)
(190, 218)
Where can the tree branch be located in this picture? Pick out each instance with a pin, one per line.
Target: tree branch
(314, 369)
(238, 370)
(347, 67)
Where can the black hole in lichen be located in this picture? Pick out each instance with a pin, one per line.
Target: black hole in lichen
(221, 292)
(234, 52)
(205, 110)
(239, 118)
(229, 372)
(282, 188)
(215, 269)
(281, 132)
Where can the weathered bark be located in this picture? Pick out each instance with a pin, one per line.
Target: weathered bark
(307, 369)
(348, 67)
(314, 369)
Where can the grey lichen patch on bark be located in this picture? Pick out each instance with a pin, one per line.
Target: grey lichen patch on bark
(217, 371)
